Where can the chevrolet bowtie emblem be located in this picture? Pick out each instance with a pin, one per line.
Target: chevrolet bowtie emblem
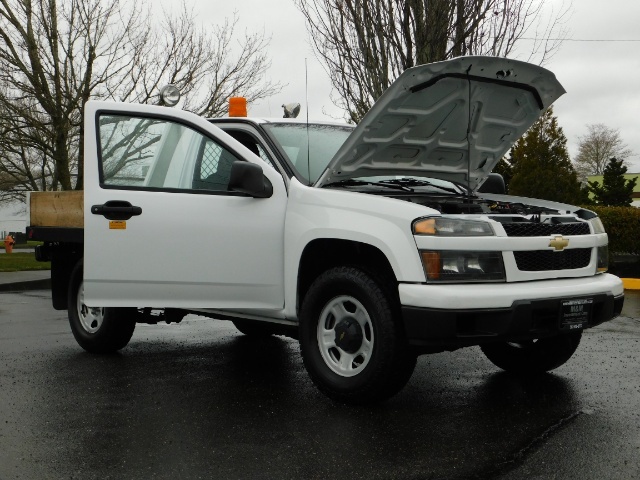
(558, 243)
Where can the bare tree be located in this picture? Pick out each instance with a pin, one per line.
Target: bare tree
(366, 44)
(55, 55)
(25, 150)
(597, 147)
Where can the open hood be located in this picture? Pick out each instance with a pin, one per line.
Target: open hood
(452, 120)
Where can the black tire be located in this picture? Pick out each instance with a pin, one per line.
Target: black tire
(533, 356)
(370, 360)
(254, 329)
(97, 330)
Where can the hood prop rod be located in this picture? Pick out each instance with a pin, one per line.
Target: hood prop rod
(468, 135)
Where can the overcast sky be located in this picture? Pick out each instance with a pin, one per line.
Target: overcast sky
(602, 79)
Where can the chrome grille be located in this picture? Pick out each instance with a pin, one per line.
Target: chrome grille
(540, 260)
(526, 229)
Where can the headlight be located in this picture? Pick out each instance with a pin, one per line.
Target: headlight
(597, 225)
(452, 227)
(602, 264)
(461, 266)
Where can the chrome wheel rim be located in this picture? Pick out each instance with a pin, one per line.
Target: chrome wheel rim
(345, 336)
(90, 317)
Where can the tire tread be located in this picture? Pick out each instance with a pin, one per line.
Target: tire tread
(394, 365)
(544, 355)
(117, 326)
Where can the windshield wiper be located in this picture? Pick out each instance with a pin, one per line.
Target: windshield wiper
(352, 182)
(418, 182)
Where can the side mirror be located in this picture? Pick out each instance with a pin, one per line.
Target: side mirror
(248, 178)
(493, 184)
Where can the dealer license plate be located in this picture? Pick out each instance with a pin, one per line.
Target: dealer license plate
(576, 313)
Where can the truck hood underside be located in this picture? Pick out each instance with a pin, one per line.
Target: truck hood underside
(452, 120)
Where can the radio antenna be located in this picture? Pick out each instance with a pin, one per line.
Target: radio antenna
(468, 134)
(306, 92)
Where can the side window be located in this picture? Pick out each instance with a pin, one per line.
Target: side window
(213, 168)
(159, 154)
(262, 153)
(252, 144)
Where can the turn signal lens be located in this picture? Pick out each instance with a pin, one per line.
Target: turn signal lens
(425, 227)
(603, 259)
(432, 265)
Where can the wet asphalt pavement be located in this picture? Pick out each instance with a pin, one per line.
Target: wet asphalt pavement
(199, 400)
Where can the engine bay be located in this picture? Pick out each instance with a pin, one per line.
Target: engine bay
(452, 205)
(498, 210)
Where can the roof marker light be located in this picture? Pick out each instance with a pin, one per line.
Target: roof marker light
(237, 107)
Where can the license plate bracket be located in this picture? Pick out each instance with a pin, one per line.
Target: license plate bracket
(575, 313)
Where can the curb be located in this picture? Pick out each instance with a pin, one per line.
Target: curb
(42, 284)
(631, 283)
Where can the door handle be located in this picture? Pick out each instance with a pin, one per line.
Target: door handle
(116, 210)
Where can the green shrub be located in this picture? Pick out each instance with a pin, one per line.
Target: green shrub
(623, 227)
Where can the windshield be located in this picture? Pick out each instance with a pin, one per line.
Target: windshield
(320, 141)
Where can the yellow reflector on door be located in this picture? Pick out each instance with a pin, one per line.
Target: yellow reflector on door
(117, 225)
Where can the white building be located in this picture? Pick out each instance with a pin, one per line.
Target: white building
(13, 218)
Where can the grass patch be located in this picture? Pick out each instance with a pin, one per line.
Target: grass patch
(19, 262)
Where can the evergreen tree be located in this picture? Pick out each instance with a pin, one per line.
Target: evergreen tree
(540, 164)
(585, 196)
(615, 191)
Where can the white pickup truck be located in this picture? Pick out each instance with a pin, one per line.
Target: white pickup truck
(371, 245)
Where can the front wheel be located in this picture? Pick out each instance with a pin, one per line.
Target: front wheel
(352, 344)
(96, 329)
(533, 356)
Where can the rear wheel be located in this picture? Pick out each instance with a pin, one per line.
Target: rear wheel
(533, 356)
(352, 345)
(97, 329)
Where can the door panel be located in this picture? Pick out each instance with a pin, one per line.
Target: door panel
(192, 244)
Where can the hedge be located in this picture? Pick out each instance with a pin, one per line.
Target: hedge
(623, 227)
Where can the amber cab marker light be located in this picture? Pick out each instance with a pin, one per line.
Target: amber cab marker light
(237, 107)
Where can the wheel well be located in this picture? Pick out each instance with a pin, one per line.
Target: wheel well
(64, 258)
(323, 254)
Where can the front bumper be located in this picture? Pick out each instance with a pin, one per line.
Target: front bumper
(453, 322)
